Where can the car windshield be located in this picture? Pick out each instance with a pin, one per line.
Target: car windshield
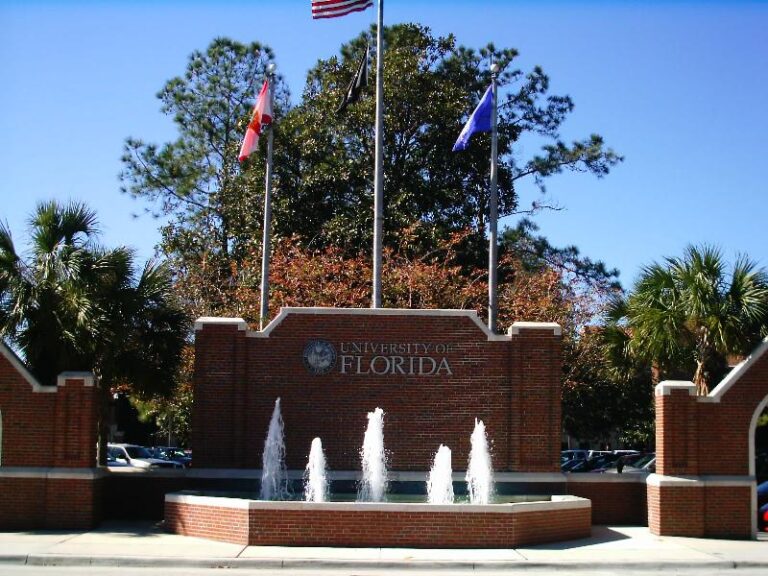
(639, 463)
(137, 452)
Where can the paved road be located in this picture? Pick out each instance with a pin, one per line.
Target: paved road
(10, 570)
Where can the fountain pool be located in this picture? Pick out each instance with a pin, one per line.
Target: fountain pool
(276, 520)
(366, 524)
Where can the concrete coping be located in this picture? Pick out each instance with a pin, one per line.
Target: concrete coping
(51, 473)
(700, 481)
(518, 327)
(87, 378)
(515, 329)
(609, 478)
(716, 395)
(5, 351)
(19, 366)
(558, 502)
(736, 373)
(665, 388)
(201, 322)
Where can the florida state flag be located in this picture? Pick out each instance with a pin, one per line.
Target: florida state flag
(262, 114)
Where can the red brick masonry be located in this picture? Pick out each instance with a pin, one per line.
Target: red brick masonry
(48, 474)
(433, 372)
(705, 446)
(353, 524)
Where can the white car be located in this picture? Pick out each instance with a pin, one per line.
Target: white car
(136, 456)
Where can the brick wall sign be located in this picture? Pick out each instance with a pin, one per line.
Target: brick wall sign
(705, 446)
(433, 372)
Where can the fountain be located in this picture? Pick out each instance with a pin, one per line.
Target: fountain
(373, 483)
(315, 478)
(440, 479)
(439, 523)
(479, 470)
(274, 475)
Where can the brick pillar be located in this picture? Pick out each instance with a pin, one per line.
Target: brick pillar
(536, 396)
(676, 429)
(218, 412)
(676, 497)
(73, 486)
(76, 414)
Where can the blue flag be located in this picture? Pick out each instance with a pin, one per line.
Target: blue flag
(479, 121)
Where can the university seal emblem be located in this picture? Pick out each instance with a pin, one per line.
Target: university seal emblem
(319, 357)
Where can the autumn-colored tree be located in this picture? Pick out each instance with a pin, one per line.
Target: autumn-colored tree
(329, 276)
(534, 289)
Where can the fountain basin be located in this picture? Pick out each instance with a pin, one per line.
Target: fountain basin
(372, 524)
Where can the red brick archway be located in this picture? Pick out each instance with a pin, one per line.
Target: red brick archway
(705, 481)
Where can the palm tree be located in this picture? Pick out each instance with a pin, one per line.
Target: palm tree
(690, 311)
(72, 305)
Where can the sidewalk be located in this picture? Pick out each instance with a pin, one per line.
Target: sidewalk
(145, 544)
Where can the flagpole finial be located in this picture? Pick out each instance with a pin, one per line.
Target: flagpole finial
(271, 68)
(494, 68)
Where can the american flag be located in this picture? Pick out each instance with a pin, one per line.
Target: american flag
(336, 8)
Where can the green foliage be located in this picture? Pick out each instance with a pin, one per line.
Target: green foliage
(323, 174)
(326, 162)
(172, 413)
(196, 180)
(597, 403)
(323, 169)
(73, 305)
(690, 312)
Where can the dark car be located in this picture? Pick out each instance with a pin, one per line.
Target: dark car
(172, 454)
(597, 463)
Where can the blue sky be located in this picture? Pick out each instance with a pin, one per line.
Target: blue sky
(678, 88)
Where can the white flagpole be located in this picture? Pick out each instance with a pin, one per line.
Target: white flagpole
(378, 183)
(266, 243)
(494, 213)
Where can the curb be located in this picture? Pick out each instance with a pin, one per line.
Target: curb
(299, 563)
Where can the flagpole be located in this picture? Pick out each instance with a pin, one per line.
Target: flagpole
(378, 183)
(266, 241)
(494, 213)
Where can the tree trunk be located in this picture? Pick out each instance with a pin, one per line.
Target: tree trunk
(700, 379)
(655, 373)
(105, 397)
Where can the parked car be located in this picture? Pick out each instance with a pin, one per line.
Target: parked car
(598, 463)
(762, 507)
(568, 465)
(644, 464)
(172, 453)
(136, 456)
(761, 466)
(566, 455)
